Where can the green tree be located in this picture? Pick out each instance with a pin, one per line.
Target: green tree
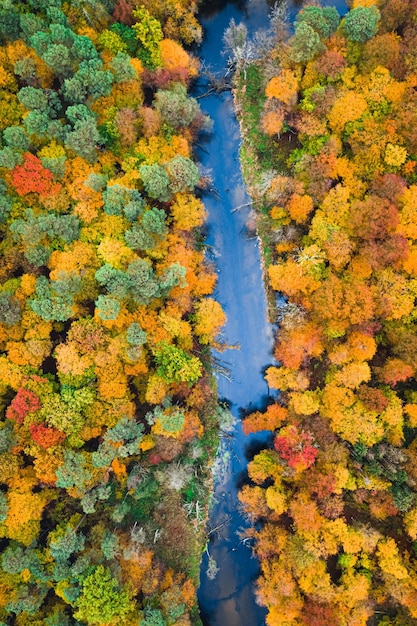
(175, 365)
(156, 182)
(324, 20)
(183, 174)
(10, 309)
(361, 24)
(149, 32)
(102, 599)
(176, 107)
(305, 44)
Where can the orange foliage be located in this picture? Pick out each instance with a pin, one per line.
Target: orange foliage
(283, 87)
(270, 420)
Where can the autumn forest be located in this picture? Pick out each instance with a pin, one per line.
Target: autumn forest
(109, 415)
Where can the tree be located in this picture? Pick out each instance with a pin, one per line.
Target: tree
(323, 20)
(102, 599)
(176, 108)
(209, 319)
(156, 182)
(149, 32)
(305, 44)
(361, 24)
(31, 176)
(175, 365)
(183, 174)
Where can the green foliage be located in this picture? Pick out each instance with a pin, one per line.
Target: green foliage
(84, 139)
(122, 68)
(175, 365)
(10, 309)
(102, 599)
(149, 32)
(183, 174)
(74, 472)
(305, 44)
(16, 137)
(361, 24)
(108, 308)
(153, 617)
(156, 182)
(29, 599)
(176, 108)
(109, 545)
(49, 305)
(127, 434)
(323, 20)
(135, 335)
(119, 200)
(64, 542)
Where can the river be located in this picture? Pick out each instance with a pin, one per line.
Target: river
(228, 599)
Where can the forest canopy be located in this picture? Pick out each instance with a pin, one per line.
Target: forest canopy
(328, 113)
(108, 412)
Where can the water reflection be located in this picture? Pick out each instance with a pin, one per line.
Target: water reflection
(228, 599)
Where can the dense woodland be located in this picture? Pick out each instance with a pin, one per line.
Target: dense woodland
(334, 176)
(108, 411)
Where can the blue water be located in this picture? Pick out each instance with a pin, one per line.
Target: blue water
(229, 599)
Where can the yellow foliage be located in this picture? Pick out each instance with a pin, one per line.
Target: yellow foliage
(209, 319)
(156, 149)
(147, 443)
(115, 252)
(353, 375)
(304, 403)
(272, 122)
(390, 560)
(349, 107)
(276, 500)
(285, 379)
(299, 207)
(411, 410)
(316, 580)
(69, 361)
(173, 55)
(408, 215)
(156, 390)
(283, 87)
(24, 514)
(395, 155)
(188, 211)
(78, 256)
(410, 521)
(289, 278)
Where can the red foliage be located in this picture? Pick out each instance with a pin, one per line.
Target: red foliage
(321, 485)
(295, 447)
(31, 176)
(373, 218)
(331, 64)
(123, 12)
(389, 186)
(315, 614)
(46, 437)
(373, 399)
(163, 77)
(388, 252)
(395, 371)
(24, 402)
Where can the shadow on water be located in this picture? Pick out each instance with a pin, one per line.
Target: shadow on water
(228, 599)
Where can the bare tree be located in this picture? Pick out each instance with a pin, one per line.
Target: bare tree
(236, 43)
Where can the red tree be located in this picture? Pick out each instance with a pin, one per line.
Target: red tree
(24, 402)
(31, 176)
